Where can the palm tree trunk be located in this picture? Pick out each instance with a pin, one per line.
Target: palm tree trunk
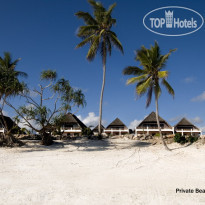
(158, 124)
(101, 98)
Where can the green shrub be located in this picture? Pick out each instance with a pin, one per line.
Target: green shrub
(179, 138)
(192, 139)
(157, 135)
(87, 131)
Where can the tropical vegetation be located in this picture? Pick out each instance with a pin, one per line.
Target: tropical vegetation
(37, 113)
(149, 78)
(10, 87)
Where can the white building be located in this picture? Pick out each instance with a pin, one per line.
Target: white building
(117, 127)
(149, 126)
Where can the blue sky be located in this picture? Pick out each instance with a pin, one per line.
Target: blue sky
(43, 34)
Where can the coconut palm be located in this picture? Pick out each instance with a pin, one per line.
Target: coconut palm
(150, 76)
(97, 33)
(10, 86)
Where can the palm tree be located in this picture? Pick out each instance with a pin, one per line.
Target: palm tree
(10, 86)
(97, 33)
(148, 78)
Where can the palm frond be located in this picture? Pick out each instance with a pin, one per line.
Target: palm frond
(107, 17)
(163, 74)
(142, 88)
(20, 73)
(93, 48)
(115, 41)
(143, 58)
(168, 87)
(86, 31)
(163, 59)
(111, 7)
(96, 5)
(137, 79)
(85, 41)
(88, 19)
(133, 70)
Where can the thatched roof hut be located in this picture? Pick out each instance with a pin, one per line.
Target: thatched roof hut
(184, 123)
(117, 123)
(151, 119)
(71, 120)
(96, 128)
(9, 122)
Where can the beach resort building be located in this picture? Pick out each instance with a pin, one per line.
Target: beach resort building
(9, 122)
(117, 127)
(149, 126)
(72, 125)
(186, 128)
(95, 130)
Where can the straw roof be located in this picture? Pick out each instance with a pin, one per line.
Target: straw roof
(10, 123)
(72, 119)
(185, 122)
(116, 122)
(152, 118)
(96, 128)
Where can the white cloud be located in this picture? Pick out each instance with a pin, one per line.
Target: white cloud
(134, 123)
(32, 122)
(91, 119)
(189, 79)
(197, 120)
(199, 98)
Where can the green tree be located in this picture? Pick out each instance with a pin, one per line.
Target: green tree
(97, 33)
(10, 87)
(150, 76)
(59, 93)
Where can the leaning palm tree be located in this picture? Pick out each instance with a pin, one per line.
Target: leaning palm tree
(149, 77)
(97, 33)
(10, 86)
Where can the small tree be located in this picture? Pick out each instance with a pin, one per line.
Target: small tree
(57, 93)
(10, 87)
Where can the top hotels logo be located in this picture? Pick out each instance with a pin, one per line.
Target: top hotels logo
(169, 19)
(173, 21)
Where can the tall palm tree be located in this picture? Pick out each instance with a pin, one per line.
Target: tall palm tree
(10, 86)
(97, 33)
(149, 77)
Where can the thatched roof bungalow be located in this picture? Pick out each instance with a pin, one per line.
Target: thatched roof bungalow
(149, 126)
(9, 122)
(95, 130)
(116, 127)
(185, 127)
(72, 125)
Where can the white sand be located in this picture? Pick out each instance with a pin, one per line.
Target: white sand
(95, 172)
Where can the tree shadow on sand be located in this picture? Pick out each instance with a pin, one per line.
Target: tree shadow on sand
(187, 145)
(83, 145)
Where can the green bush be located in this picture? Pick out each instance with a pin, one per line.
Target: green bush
(87, 131)
(192, 139)
(157, 135)
(179, 138)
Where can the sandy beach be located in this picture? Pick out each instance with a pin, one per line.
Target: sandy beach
(116, 171)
